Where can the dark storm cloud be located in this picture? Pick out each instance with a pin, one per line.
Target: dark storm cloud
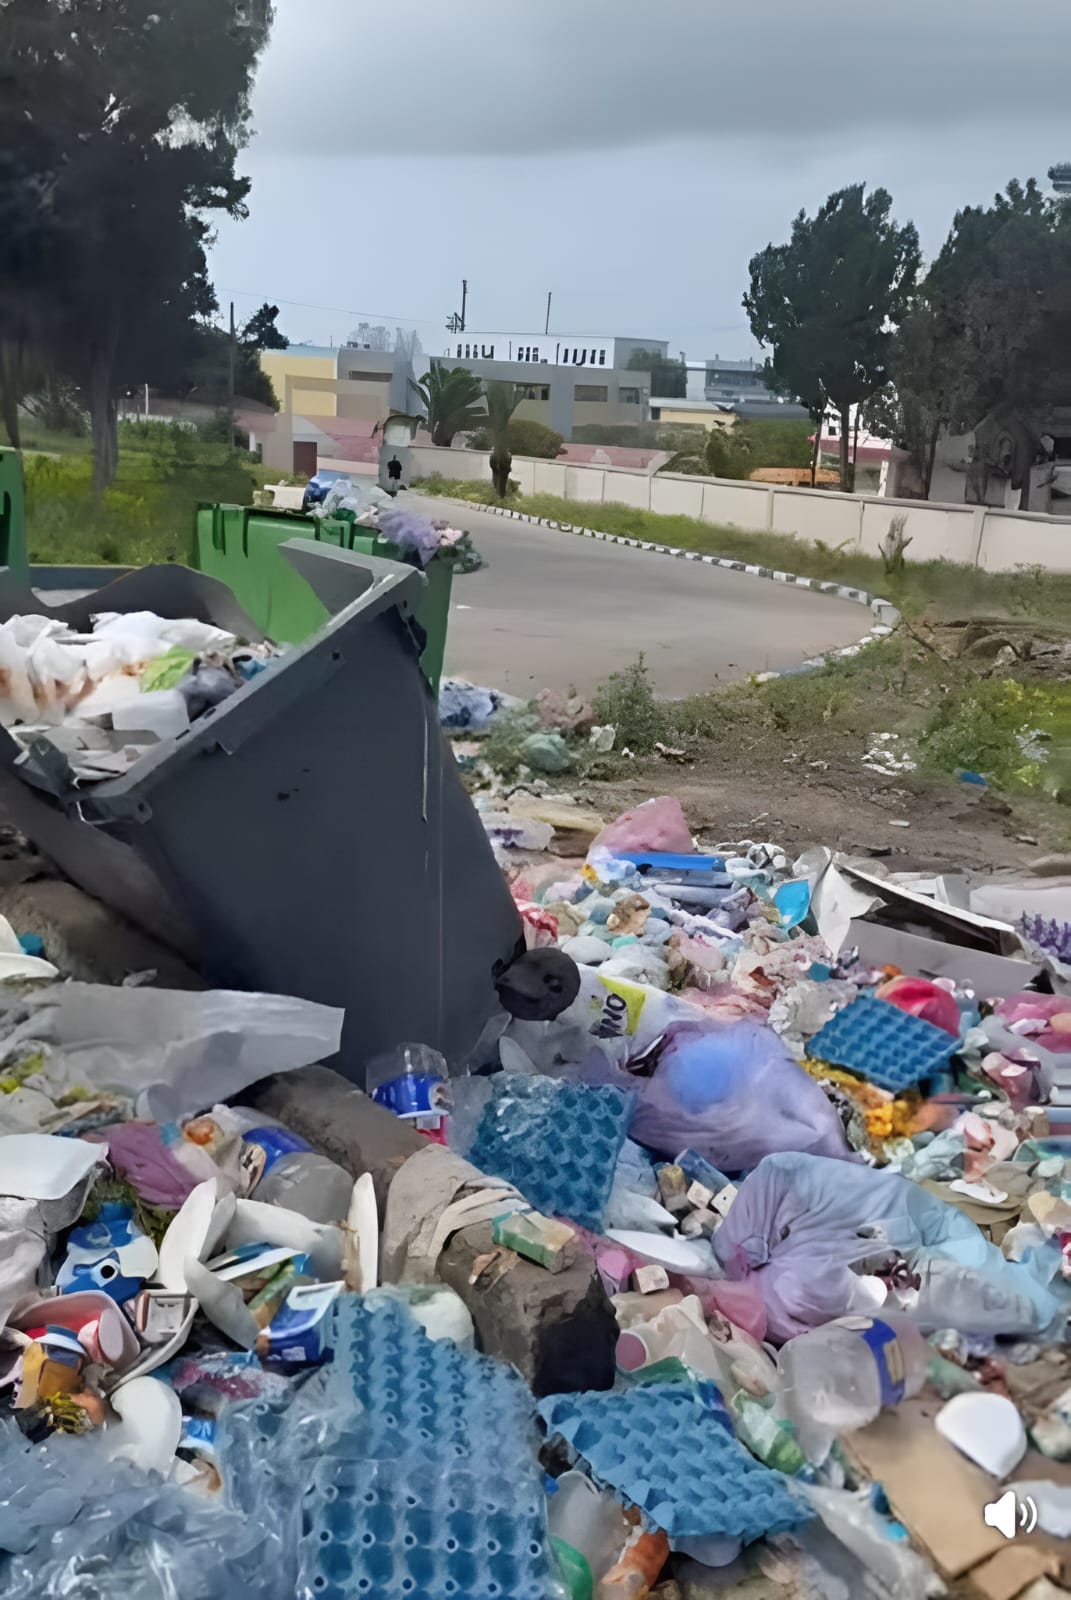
(493, 77)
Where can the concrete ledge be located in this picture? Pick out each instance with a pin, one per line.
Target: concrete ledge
(557, 1329)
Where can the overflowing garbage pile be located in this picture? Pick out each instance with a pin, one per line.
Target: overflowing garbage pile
(104, 697)
(819, 1187)
(416, 538)
(821, 1194)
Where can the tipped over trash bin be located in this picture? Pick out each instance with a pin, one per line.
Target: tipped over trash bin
(309, 834)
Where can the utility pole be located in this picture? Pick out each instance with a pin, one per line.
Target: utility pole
(464, 302)
(546, 328)
(232, 353)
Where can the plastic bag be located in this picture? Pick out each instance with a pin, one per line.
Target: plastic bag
(658, 825)
(466, 705)
(142, 636)
(84, 1527)
(734, 1094)
(178, 1052)
(800, 1222)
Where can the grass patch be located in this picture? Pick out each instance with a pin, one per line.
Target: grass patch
(953, 589)
(476, 491)
(144, 518)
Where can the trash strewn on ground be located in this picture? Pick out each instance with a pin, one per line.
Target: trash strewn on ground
(806, 1126)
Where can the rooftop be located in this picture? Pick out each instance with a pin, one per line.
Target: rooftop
(325, 352)
(725, 365)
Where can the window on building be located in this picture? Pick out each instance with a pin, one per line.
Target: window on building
(565, 355)
(591, 391)
(535, 352)
(593, 358)
(544, 391)
(602, 358)
(459, 352)
(629, 397)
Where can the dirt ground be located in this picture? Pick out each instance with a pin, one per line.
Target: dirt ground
(736, 793)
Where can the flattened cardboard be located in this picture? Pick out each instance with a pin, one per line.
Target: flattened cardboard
(988, 975)
(1012, 1570)
(939, 1495)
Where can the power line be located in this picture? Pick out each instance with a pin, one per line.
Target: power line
(307, 305)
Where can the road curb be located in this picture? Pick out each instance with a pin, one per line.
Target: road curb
(885, 613)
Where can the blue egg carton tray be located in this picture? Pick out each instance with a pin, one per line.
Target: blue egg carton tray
(425, 1480)
(558, 1143)
(402, 1530)
(667, 1451)
(885, 1045)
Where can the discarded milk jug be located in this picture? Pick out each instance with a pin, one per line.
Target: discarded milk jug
(839, 1377)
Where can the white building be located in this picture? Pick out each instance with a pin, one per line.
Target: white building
(550, 349)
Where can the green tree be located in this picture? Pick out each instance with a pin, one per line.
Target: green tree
(261, 332)
(1001, 295)
(669, 377)
(826, 303)
(921, 396)
(122, 121)
(453, 402)
(502, 402)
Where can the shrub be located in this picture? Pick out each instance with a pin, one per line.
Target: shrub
(526, 438)
(627, 702)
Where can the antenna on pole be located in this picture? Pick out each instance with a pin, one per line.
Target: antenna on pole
(455, 323)
(550, 293)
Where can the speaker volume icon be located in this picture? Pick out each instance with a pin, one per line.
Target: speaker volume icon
(1010, 1515)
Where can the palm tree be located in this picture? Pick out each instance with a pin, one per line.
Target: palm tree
(502, 402)
(452, 400)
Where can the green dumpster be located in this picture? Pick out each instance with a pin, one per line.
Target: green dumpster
(240, 546)
(12, 513)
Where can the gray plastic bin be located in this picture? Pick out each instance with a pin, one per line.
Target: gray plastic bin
(311, 836)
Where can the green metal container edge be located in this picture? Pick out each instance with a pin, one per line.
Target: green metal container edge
(275, 586)
(13, 548)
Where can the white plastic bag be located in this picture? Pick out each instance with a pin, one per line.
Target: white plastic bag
(179, 1052)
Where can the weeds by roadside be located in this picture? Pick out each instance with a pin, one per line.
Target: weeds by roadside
(627, 703)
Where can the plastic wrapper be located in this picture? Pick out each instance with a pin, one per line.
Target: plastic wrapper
(734, 1094)
(466, 705)
(81, 1526)
(801, 1222)
(887, 1557)
(176, 1052)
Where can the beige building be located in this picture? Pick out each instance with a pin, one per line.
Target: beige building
(691, 413)
(287, 368)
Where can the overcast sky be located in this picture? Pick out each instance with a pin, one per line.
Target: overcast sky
(630, 155)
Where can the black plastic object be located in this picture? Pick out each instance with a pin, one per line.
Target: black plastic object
(539, 985)
(311, 835)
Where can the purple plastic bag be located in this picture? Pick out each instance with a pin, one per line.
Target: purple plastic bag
(800, 1223)
(733, 1093)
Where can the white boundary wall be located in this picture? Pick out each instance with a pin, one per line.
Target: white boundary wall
(975, 535)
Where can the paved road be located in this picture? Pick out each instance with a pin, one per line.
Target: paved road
(553, 609)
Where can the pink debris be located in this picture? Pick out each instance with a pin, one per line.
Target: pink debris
(657, 825)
